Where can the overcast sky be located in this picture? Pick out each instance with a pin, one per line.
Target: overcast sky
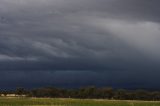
(73, 43)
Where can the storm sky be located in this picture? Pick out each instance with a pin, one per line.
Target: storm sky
(73, 43)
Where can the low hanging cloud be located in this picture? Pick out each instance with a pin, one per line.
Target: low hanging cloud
(142, 35)
(80, 36)
(56, 33)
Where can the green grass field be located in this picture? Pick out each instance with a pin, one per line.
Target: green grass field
(70, 102)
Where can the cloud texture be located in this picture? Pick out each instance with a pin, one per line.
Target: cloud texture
(99, 39)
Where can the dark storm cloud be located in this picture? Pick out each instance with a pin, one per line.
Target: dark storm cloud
(74, 79)
(80, 35)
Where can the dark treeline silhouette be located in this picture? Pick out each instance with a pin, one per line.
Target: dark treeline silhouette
(88, 93)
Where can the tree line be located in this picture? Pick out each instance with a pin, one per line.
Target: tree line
(88, 93)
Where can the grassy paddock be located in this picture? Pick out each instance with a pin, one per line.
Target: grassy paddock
(71, 102)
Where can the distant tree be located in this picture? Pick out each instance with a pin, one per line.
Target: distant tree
(87, 92)
(91, 92)
(5, 93)
(107, 92)
(155, 96)
(120, 94)
(142, 95)
(20, 91)
(73, 93)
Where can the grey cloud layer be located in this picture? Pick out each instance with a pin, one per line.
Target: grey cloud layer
(80, 35)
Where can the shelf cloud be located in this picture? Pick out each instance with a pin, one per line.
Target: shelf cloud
(106, 40)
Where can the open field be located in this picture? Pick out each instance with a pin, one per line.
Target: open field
(70, 102)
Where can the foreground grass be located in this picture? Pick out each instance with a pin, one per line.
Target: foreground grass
(70, 102)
